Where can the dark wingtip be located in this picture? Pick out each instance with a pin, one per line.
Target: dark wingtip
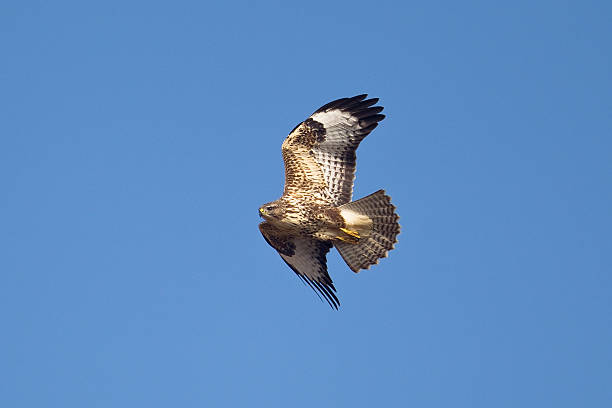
(325, 289)
(352, 104)
(369, 120)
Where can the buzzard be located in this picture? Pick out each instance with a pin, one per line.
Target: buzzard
(315, 211)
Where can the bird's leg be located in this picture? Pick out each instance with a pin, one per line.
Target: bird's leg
(354, 234)
(352, 237)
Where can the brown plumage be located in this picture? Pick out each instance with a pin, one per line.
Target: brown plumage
(315, 211)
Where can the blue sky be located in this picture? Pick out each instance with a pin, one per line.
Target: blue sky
(138, 139)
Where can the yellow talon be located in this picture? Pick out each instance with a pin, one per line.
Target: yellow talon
(351, 233)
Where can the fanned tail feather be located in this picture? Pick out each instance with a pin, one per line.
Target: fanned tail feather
(382, 237)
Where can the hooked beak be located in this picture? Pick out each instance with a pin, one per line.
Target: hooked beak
(262, 212)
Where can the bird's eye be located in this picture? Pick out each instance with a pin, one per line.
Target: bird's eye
(269, 208)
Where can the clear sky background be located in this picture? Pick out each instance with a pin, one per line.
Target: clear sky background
(138, 139)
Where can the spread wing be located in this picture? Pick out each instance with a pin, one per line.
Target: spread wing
(306, 257)
(319, 154)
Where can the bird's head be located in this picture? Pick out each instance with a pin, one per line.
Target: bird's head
(271, 210)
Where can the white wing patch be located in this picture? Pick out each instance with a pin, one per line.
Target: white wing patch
(333, 118)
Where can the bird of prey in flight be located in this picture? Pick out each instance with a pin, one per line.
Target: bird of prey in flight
(315, 211)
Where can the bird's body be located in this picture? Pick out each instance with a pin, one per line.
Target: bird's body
(315, 211)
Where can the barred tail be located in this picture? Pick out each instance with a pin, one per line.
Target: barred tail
(382, 236)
